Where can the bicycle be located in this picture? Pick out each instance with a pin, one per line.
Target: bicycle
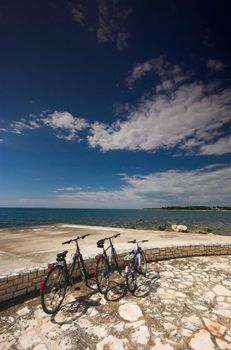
(59, 276)
(135, 265)
(104, 264)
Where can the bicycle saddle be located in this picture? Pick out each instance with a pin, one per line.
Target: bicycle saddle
(62, 255)
(100, 243)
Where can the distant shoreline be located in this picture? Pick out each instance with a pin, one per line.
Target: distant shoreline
(199, 208)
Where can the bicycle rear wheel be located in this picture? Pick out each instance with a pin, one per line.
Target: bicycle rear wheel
(102, 275)
(54, 289)
(143, 264)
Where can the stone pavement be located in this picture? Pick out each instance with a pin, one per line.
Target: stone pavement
(188, 307)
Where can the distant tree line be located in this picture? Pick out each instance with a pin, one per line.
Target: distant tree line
(192, 207)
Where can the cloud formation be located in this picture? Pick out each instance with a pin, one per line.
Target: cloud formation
(215, 65)
(78, 12)
(110, 26)
(65, 124)
(168, 74)
(192, 116)
(173, 187)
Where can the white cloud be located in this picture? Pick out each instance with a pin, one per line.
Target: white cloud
(215, 65)
(169, 74)
(78, 12)
(112, 23)
(68, 189)
(141, 69)
(173, 187)
(188, 116)
(164, 188)
(18, 127)
(65, 124)
(222, 146)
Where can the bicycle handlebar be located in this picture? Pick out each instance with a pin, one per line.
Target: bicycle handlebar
(100, 243)
(76, 239)
(135, 241)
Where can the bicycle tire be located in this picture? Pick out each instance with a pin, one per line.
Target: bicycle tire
(131, 277)
(82, 269)
(143, 264)
(54, 289)
(102, 275)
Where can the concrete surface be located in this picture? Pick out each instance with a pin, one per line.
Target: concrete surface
(26, 247)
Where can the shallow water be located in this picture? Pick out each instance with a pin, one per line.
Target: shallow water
(218, 221)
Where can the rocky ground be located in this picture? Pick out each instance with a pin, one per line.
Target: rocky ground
(188, 307)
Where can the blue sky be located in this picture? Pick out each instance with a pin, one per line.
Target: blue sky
(115, 104)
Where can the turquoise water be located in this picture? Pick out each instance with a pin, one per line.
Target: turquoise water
(218, 221)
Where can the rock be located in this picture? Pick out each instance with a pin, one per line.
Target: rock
(222, 344)
(65, 344)
(202, 340)
(24, 311)
(186, 332)
(162, 227)
(119, 327)
(223, 312)
(99, 331)
(209, 296)
(40, 347)
(179, 228)
(215, 328)
(130, 312)
(160, 346)
(220, 290)
(29, 340)
(192, 322)
(141, 335)
(110, 343)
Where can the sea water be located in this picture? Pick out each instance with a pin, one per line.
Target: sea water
(218, 222)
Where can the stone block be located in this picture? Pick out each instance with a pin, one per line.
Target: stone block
(31, 289)
(11, 289)
(6, 297)
(18, 281)
(25, 278)
(20, 292)
(32, 275)
(13, 276)
(24, 285)
(4, 285)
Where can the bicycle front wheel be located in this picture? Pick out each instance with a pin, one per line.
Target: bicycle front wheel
(54, 290)
(131, 277)
(143, 264)
(102, 275)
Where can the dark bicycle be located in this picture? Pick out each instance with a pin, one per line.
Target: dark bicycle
(59, 276)
(135, 265)
(106, 264)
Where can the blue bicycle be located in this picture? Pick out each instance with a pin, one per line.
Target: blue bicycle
(135, 265)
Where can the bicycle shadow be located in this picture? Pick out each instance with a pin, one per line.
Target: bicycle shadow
(147, 284)
(117, 289)
(74, 309)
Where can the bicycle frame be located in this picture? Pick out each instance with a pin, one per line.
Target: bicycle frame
(137, 254)
(113, 255)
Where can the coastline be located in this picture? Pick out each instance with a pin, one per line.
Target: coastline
(27, 247)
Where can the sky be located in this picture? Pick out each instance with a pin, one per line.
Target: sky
(115, 104)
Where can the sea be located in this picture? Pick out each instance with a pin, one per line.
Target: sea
(217, 222)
